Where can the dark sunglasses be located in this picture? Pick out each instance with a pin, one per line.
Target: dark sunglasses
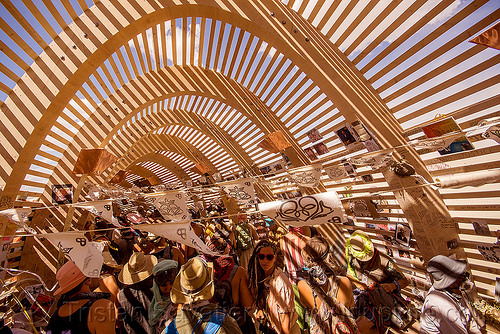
(163, 277)
(269, 257)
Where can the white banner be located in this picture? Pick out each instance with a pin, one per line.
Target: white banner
(103, 209)
(375, 159)
(179, 232)
(19, 215)
(472, 179)
(436, 143)
(308, 176)
(172, 205)
(306, 210)
(241, 190)
(336, 172)
(87, 255)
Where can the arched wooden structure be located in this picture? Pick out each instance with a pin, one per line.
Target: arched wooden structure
(208, 80)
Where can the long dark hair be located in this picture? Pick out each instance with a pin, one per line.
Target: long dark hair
(256, 274)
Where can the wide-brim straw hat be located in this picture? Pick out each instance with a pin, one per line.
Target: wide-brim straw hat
(360, 246)
(195, 282)
(69, 276)
(138, 268)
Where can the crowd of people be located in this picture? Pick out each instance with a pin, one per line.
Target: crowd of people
(268, 278)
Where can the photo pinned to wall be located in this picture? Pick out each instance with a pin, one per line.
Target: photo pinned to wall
(367, 178)
(278, 167)
(444, 126)
(321, 148)
(371, 145)
(404, 254)
(264, 170)
(310, 153)
(62, 194)
(481, 227)
(347, 135)
(349, 168)
(314, 135)
(402, 234)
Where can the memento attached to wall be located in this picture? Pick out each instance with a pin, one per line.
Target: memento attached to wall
(321, 148)
(62, 194)
(444, 126)
(402, 234)
(481, 227)
(314, 135)
(310, 153)
(490, 253)
(347, 135)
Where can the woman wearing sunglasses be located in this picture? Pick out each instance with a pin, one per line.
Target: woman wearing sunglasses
(162, 310)
(274, 297)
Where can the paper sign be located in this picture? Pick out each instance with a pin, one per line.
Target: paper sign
(19, 215)
(87, 255)
(178, 232)
(336, 172)
(306, 210)
(103, 209)
(172, 206)
(241, 190)
(309, 176)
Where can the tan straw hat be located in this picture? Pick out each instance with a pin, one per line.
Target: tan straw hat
(195, 282)
(138, 268)
(68, 277)
(360, 246)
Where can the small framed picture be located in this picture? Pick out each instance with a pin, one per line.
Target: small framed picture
(265, 170)
(62, 193)
(314, 135)
(347, 135)
(367, 178)
(321, 148)
(402, 234)
(310, 153)
(481, 227)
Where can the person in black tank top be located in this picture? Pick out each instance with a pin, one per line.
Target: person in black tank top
(80, 311)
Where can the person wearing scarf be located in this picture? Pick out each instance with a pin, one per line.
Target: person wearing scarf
(162, 310)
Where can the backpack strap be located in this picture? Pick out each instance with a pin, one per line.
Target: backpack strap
(232, 273)
(214, 322)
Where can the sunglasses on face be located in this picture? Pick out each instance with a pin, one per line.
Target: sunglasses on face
(269, 257)
(165, 276)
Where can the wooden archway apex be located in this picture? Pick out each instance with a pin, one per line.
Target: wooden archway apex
(93, 161)
(201, 168)
(274, 142)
